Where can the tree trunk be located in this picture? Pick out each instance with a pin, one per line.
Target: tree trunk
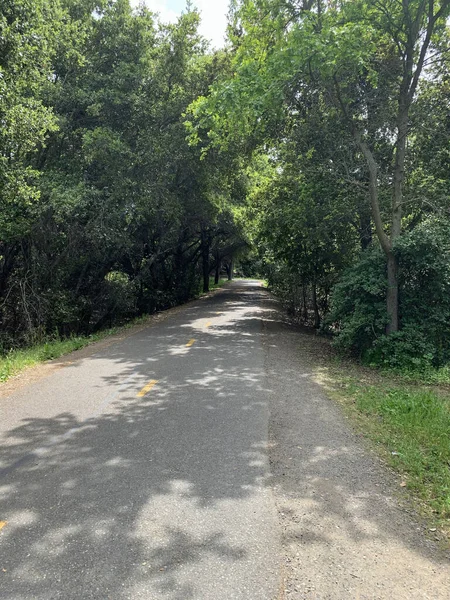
(218, 265)
(385, 242)
(392, 293)
(305, 304)
(315, 307)
(230, 270)
(397, 206)
(205, 261)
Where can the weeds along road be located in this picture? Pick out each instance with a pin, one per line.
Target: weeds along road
(197, 459)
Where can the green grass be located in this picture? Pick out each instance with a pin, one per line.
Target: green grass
(17, 360)
(215, 286)
(411, 427)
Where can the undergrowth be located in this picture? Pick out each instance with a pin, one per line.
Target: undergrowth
(427, 375)
(19, 359)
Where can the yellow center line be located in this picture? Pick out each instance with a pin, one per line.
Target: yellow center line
(2, 524)
(145, 390)
(190, 343)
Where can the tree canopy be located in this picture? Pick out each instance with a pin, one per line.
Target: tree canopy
(107, 212)
(341, 98)
(135, 162)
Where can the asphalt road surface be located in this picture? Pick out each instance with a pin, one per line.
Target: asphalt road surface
(198, 459)
(141, 471)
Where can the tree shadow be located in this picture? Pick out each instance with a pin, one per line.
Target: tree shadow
(346, 532)
(155, 497)
(114, 496)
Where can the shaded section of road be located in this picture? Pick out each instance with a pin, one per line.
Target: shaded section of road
(141, 472)
(344, 534)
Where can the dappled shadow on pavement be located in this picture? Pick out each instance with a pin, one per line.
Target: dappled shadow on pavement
(166, 496)
(153, 497)
(345, 533)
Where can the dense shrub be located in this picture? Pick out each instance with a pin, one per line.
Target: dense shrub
(358, 313)
(358, 306)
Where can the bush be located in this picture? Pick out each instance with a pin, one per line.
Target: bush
(406, 349)
(358, 305)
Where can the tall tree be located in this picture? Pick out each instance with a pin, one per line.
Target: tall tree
(365, 59)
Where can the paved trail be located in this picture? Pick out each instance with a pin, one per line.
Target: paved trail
(145, 469)
(344, 534)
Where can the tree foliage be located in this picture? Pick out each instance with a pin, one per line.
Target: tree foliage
(135, 163)
(353, 96)
(107, 211)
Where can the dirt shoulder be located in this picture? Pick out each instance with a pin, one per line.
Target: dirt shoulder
(348, 529)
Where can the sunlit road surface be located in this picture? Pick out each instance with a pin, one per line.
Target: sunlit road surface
(141, 471)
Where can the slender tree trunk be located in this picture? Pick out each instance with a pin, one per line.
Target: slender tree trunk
(385, 242)
(230, 270)
(218, 265)
(396, 224)
(180, 273)
(305, 303)
(315, 306)
(205, 263)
